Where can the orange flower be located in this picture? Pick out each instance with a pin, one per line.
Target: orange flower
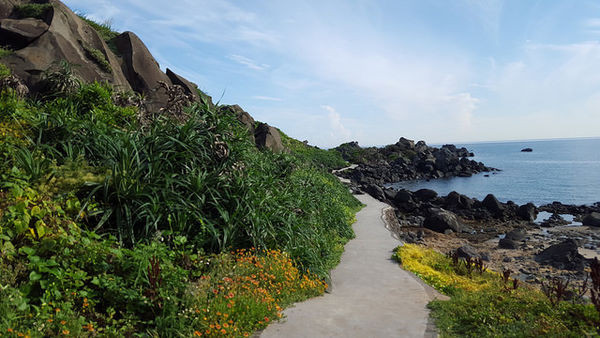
(223, 331)
(197, 333)
(63, 322)
(9, 330)
(66, 332)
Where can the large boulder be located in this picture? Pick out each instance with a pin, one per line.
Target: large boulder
(67, 38)
(19, 33)
(425, 194)
(564, 255)
(493, 205)
(455, 200)
(440, 220)
(527, 212)
(141, 69)
(592, 219)
(375, 191)
(268, 137)
(467, 251)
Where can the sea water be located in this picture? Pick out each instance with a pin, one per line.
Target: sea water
(567, 171)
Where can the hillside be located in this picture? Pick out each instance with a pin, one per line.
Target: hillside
(131, 204)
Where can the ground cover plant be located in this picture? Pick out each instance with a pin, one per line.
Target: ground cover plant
(489, 304)
(112, 227)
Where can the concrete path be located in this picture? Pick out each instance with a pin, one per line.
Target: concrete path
(371, 295)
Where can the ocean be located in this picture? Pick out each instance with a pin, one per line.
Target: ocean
(567, 171)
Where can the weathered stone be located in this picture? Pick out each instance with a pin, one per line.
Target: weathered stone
(564, 255)
(19, 33)
(375, 191)
(467, 251)
(493, 205)
(440, 220)
(507, 243)
(527, 212)
(141, 69)
(425, 194)
(189, 87)
(592, 219)
(268, 137)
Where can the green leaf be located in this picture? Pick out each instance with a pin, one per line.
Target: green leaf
(34, 276)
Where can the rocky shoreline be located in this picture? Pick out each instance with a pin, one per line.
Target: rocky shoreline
(536, 243)
(407, 160)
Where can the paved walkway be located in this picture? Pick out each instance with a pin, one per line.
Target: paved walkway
(371, 295)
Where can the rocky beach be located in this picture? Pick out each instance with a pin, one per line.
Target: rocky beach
(536, 242)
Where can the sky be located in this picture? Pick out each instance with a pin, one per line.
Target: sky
(372, 71)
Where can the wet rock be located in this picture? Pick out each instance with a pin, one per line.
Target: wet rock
(527, 212)
(592, 219)
(564, 255)
(440, 220)
(425, 194)
(493, 205)
(554, 220)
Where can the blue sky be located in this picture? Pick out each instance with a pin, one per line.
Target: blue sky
(373, 71)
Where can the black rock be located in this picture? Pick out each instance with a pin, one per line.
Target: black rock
(562, 256)
(467, 251)
(507, 243)
(493, 205)
(526, 150)
(592, 219)
(441, 220)
(375, 191)
(425, 194)
(527, 212)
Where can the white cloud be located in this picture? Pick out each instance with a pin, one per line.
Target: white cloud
(266, 98)
(338, 131)
(247, 62)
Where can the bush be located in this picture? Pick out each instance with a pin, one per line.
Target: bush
(327, 159)
(37, 11)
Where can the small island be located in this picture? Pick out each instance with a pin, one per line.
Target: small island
(526, 150)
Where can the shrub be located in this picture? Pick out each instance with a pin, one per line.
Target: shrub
(328, 159)
(5, 52)
(38, 11)
(98, 57)
(4, 71)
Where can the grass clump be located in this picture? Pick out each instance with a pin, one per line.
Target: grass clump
(37, 11)
(4, 71)
(5, 52)
(489, 305)
(98, 57)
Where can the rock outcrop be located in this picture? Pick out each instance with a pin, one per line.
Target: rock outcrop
(564, 255)
(406, 160)
(58, 34)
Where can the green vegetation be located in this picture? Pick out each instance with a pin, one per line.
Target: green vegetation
(166, 229)
(105, 31)
(328, 159)
(5, 52)
(4, 71)
(487, 304)
(99, 58)
(37, 11)
(353, 153)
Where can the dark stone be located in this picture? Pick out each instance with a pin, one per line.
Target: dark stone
(526, 150)
(563, 256)
(19, 33)
(375, 191)
(425, 194)
(189, 87)
(141, 69)
(516, 235)
(527, 212)
(440, 220)
(507, 243)
(467, 251)
(493, 205)
(268, 137)
(455, 200)
(592, 219)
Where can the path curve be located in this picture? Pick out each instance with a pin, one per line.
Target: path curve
(371, 295)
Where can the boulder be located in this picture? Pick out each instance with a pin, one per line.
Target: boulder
(592, 219)
(493, 205)
(141, 69)
(268, 137)
(455, 200)
(564, 255)
(425, 194)
(467, 251)
(440, 220)
(241, 115)
(404, 200)
(66, 38)
(189, 87)
(527, 212)
(375, 191)
(19, 33)
(507, 243)
(516, 235)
